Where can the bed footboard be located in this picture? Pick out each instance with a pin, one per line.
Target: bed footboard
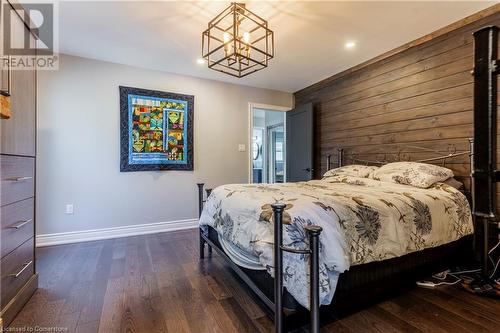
(313, 232)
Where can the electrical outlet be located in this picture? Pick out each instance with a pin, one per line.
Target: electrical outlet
(69, 209)
(241, 147)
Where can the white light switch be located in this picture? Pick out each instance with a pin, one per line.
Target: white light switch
(69, 209)
(241, 147)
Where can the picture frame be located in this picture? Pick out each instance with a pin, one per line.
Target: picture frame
(156, 130)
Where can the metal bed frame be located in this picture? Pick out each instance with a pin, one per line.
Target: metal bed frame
(483, 175)
(313, 232)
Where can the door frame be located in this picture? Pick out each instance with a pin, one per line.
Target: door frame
(270, 107)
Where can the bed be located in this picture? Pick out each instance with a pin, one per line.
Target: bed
(377, 237)
(380, 273)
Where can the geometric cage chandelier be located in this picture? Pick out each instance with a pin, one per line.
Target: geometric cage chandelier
(237, 42)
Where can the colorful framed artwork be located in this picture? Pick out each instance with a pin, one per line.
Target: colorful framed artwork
(156, 130)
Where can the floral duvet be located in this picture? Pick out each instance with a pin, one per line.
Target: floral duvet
(363, 220)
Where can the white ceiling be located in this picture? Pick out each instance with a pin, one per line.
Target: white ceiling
(309, 36)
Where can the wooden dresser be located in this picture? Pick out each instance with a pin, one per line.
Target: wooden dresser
(17, 189)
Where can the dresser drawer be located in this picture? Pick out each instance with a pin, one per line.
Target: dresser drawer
(17, 224)
(16, 267)
(17, 178)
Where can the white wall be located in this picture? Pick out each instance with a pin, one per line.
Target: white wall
(78, 146)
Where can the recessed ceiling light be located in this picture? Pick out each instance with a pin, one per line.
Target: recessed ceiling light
(350, 45)
(200, 61)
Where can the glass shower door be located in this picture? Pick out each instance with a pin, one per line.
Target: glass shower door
(276, 170)
(257, 155)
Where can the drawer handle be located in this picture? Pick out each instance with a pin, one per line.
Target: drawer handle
(20, 224)
(19, 179)
(26, 265)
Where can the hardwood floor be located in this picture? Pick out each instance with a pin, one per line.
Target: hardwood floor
(155, 283)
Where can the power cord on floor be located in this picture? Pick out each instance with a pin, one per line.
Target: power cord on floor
(493, 262)
(443, 276)
(475, 282)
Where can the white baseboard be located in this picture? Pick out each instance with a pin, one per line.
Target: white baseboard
(107, 233)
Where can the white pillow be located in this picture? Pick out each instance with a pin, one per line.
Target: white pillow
(412, 173)
(361, 171)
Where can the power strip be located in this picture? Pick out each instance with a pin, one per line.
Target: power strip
(426, 284)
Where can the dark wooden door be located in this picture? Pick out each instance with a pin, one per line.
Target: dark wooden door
(299, 143)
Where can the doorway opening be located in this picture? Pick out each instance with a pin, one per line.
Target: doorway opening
(268, 145)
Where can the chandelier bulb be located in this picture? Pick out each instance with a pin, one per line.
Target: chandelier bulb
(246, 37)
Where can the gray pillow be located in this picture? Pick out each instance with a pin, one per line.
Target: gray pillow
(454, 183)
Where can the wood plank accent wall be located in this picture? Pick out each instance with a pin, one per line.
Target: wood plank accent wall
(418, 96)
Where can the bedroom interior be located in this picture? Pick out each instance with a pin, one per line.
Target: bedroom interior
(228, 179)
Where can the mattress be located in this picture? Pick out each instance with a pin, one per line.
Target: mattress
(363, 221)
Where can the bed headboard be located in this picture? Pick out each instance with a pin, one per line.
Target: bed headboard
(414, 154)
(401, 156)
